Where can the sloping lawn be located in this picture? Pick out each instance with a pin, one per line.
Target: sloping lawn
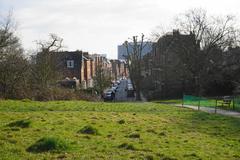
(91, 130)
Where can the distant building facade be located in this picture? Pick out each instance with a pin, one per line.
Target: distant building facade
(69, 63)
(81, 66)
(119, 69)
(122, 51)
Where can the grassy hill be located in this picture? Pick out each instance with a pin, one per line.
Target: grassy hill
(91, 130)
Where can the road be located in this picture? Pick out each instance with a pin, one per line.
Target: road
(121, 94)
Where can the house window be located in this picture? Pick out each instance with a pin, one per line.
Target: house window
(70, 63)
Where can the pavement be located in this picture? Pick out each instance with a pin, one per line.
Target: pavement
(213, 110)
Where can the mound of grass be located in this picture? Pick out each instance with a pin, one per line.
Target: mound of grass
(127, 146)
(134, 135)
(14, 129)
(168, 158)
(162, 134)
(149, 157)
(88, 130)
(48, 144)
(20, 123)
(122, 121)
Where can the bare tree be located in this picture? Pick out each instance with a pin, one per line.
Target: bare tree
(134, 58)
(102, 79)
(158, 32)
(212, 35)
(210, 32)
(45, 69)
(7, 31)
(13, 65)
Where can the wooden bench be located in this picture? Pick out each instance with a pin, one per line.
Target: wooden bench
(225, 101)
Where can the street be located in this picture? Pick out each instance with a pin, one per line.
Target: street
(121, 94)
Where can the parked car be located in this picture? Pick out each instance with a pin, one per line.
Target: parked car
(114, 88)
(118, 82)
(108, 95)
(130, 85)
(130, 90)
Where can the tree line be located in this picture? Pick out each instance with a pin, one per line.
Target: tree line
(34, 76)
(211, 62)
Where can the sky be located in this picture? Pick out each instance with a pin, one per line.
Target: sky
(98, 26)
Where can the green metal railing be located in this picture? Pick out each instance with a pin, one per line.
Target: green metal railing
(237, 103)
(211, 102)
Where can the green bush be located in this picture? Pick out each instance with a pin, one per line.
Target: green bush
(57, 93)
(20, 123)
(48, 144)
(88, 130)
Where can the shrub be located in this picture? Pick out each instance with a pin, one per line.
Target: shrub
(20, 123)
(57, 93)
(47, 144)
(88, 130)
(127, 146)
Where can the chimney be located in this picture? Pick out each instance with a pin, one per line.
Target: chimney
(176, 32)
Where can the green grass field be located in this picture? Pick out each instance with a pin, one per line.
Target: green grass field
(91, 130)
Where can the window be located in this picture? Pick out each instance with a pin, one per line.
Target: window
(70, 63)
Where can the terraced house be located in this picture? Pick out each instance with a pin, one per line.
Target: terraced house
(79, 65)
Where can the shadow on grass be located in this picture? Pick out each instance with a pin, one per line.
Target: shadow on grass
(211, 124)
(20, 123)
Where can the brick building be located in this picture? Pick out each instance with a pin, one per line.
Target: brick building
(119, 69)
(168, 77)
(69, 63)
(80, 65)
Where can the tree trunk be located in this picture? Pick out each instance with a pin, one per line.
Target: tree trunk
(138, 91)
(138, 95)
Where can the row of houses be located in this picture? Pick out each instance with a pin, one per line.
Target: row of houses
(82, 66)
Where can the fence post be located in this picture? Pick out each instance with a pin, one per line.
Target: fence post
(199, 103)
(183, 101)
(233, 102)
(215, 107)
